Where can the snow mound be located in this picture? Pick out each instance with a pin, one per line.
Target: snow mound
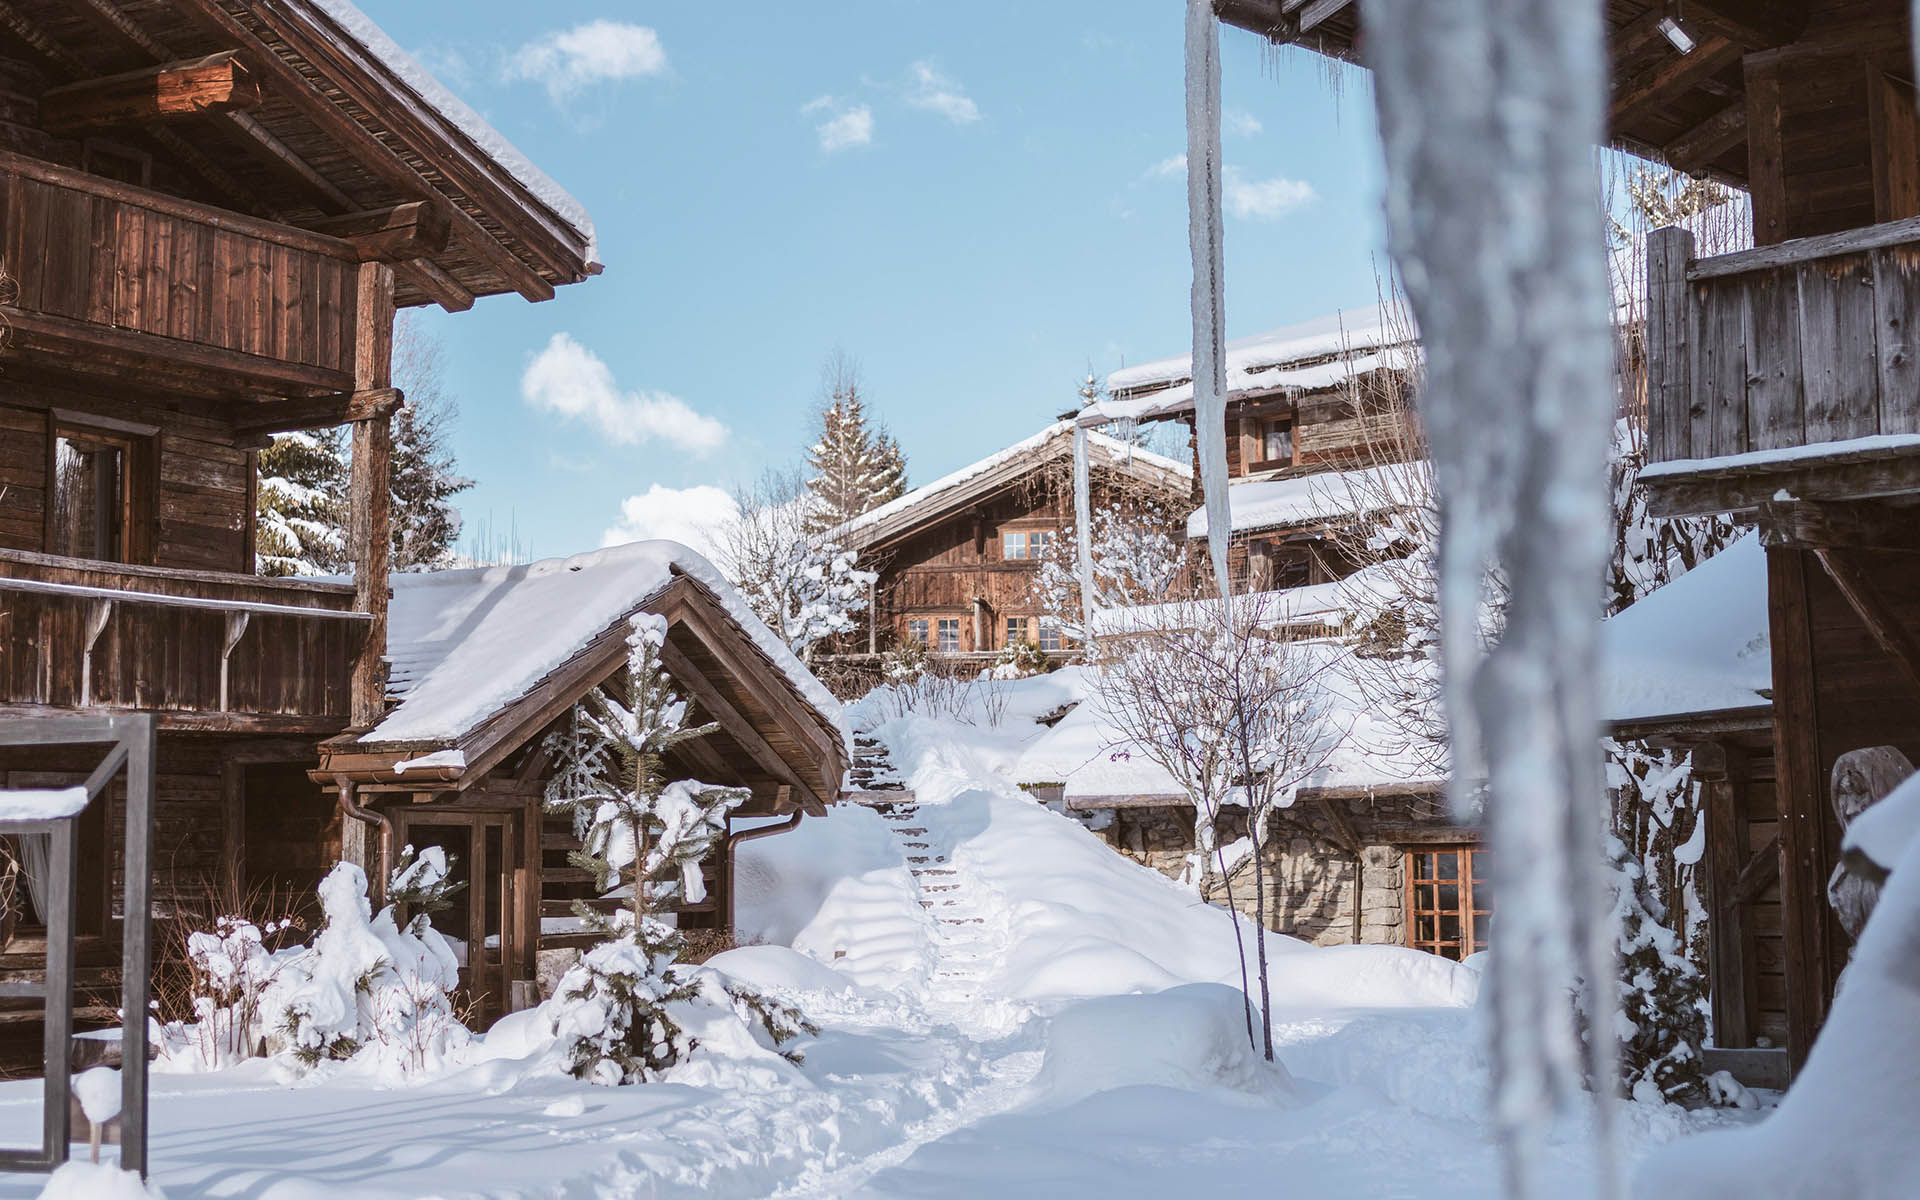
(1846, 1126)
(98, 1091)
(1192, 1038)
(778, 969)
(98, 1181)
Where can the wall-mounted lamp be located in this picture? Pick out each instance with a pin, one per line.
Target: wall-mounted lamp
(1675, 33)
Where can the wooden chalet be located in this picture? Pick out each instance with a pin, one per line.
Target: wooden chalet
(1317, 432)
(209, 212)
(487, 662)
(1782, 379)
(957, 558)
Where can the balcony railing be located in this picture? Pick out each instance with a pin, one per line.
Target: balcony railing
(112, 278)
(206, 649)
(1791, 368)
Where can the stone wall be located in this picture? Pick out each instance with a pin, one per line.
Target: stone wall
(1311, 883)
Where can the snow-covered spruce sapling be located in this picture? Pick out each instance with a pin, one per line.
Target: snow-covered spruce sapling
(649, 835)
(796, 579)
(1661, 1020)
(422, 883)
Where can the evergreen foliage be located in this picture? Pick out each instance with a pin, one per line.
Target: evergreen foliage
(302, 525)
(1662, 1012)
(426, 525)
(852, 466)
(802, 585)
(616, 1011)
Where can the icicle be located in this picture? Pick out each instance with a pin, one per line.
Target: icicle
(1083, 531)
(1488, 113)
(1209, 301)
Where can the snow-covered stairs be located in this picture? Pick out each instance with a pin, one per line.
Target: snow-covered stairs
(963, 949)
(873, 779)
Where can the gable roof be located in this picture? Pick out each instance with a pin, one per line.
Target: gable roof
(482, 659)
(999, 470)
(347, 123)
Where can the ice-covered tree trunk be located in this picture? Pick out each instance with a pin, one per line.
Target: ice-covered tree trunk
(1489, 110)
(1209, 276)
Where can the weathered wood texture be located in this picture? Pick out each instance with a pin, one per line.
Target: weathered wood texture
(1746, 946)
(106, 274)
(103, 634)
(1799, 347)
(170, 91)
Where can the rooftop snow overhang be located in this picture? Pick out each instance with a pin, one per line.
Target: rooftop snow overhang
(770, 735)
(346, 126)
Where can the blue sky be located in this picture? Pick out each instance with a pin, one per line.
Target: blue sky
(975, 201)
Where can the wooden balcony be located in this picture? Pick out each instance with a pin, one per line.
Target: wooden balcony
(115, 280)
(205, 649)
(1790, 371)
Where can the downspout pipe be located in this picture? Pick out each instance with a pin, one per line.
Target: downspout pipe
(747, 835)
(376, 888)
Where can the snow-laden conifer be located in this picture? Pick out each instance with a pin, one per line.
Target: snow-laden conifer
(302, 522)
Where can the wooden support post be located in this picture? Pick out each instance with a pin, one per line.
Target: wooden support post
(371, 488)
(1766, 174)
(1799, 766)
(1083, 530)
(1729, 935)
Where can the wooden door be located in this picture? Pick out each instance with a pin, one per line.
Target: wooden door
(485, 849)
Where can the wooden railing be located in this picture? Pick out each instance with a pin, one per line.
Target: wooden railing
(104, 274)
(1797, 344)
(206, 649)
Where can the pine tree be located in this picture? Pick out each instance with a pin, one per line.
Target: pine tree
(853, 467)
(303, 504)
(616, 1004)
(425, 523)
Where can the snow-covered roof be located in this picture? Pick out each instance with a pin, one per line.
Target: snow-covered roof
(1335, 603)
(1055, 439)
(1698, 645)
(488, 140)
(1087, 752)
(1312, 356)
(464, 645)
(1304, 499)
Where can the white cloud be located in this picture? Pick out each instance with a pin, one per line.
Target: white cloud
(695, 517)
(1168, 167)
(936, 92)
(569, 60)
(1264, 199)
(1238, 122)
(846, 128)
(571, 380)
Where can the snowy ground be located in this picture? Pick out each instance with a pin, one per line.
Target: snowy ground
(1004, 1030)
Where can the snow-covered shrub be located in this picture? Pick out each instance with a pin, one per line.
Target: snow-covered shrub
(421, 882)
(230, 968)
(803, 585)
(1137, 559)
(364, 985)
(1020, 660)
(1661, 1019)
(904, 663)
(612, 1011)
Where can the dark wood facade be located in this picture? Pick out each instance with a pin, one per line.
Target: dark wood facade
(1781, 386)
(957, 564)
(209, 212)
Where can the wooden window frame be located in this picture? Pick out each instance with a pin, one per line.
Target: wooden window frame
(1263, 428)
(922, 634)
(1008, 541)
(1024, 627)
(1473, 860)
(139, 451)
(940, 635)
(1049, 632)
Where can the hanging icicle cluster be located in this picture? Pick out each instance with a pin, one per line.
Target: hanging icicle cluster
(1488, 111)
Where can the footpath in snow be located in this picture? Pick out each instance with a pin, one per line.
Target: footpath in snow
(1008, 1008)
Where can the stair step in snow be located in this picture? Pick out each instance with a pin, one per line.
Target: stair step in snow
(940, 887)
(914, 832)
(917, 846)
(920, 871)
(959, 920)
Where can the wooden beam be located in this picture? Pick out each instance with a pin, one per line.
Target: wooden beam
(1806, 525)
(407, 231)
(321, 412)
(303, 94)
(1766, 174)
(430, 279)
(1693, 150)
(170, 91)
(737, 727)
(1343, 828)
(1727, 933)
(1874, 612)
(1750, 24)
(1668, 76)
(1318, 11)
(1726, 491)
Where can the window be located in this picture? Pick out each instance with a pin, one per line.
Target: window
(1050, 639)
(1039, 543)
(949, 635)
(1013, 545)
(92, 502)
(917, 630)
(1019, 629)
(1276, 442)
(1449, 900)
